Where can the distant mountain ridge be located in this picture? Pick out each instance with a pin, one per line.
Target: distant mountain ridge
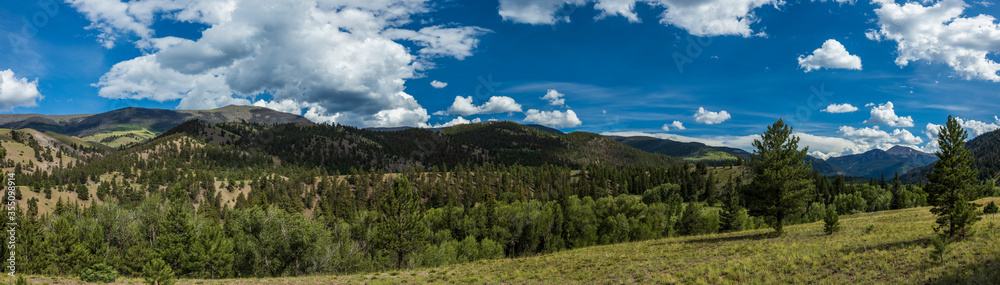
(685, 150)
(130, 118)
(699, 151)
(876, 163)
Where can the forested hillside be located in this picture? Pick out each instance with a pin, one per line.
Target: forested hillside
(239, 199)
(985, 149)
(339, 148)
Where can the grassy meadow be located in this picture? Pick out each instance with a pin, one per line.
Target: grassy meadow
(889, 247)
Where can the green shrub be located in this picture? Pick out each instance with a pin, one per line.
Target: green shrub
(99, 273)
(991, 208)
(869, 229)
(817, 211)
(490, 250)
(850, 204)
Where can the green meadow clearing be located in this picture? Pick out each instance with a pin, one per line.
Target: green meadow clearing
(889, 247)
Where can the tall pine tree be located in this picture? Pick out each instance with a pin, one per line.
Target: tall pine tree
(949, 188)
(401, 229)
(781, 184)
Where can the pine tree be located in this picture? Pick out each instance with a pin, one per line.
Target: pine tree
(781, 184)
(897, 195)
(991, 208)
(82, 192)
(401, 229)
(949, 188)
(157, 272)
(730, 216)
(175, 235)
(690, 223)
(831, 222)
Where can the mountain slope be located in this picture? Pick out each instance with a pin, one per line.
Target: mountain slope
(30, 148)
(825, 167)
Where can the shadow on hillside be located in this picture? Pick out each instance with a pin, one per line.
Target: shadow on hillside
(980, 273)
(890, 246)
(757, 236)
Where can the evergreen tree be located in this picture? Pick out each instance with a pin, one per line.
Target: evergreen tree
(730, 216)
(781, 184)
(211, 253)
(400, 228)
(898, 201)
(157, 272)
(831, 222)
(82, 192)
(949, 188)
(690, 223)
(991, 208)
(175, 235)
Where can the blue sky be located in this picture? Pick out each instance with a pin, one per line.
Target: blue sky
(715, 71)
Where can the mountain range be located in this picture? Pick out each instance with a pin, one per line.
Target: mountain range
(156, 120)
(877, 163)
(344, 147)
(132, 125)
(296, 139)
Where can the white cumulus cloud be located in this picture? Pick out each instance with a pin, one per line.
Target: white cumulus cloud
(940, 33)
(708, 117)
(699, 18)
(556, 119)
(677, 125)
(458, 121)
(438, 84)
(338, 60)
(973, 127)
(832, 55)
(497, 104)
(852, 140)
(554, 98)
(866, 139)
(17, 92)
(883, 114)
(840, 108)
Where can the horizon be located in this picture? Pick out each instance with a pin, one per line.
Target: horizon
(849, 76)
